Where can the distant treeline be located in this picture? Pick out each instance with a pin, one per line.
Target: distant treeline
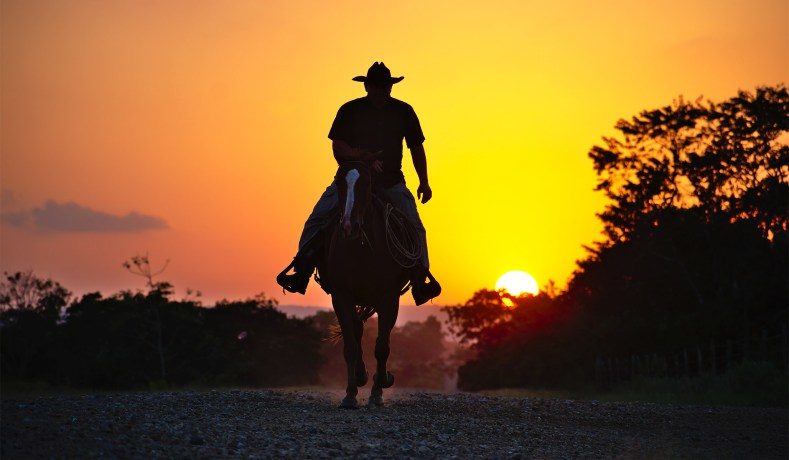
(691, 277)
(139, 340)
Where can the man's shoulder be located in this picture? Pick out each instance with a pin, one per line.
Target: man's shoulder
(402, 104)
(353, 103)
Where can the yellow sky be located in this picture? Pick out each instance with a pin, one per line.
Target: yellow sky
(212, 116)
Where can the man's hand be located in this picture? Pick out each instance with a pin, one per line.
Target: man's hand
(359, 153)
(377, 165)
(424, 193)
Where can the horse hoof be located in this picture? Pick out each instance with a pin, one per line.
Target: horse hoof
(349, 402)
(361, 379)
(375, 401)
(389, 380)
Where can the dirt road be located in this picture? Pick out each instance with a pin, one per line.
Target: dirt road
(298, 424)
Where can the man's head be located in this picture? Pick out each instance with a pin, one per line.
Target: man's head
(378, 82)
(378, 92)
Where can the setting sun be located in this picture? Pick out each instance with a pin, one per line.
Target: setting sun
(517, 282)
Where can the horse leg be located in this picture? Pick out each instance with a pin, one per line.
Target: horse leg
(361, 370)
(387, 316)
(346, 311)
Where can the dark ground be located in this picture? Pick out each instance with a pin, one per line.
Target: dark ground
(307, 423)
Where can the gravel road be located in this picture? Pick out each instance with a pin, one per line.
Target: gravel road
(299, 424)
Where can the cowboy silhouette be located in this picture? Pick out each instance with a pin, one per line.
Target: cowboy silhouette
(372, 128)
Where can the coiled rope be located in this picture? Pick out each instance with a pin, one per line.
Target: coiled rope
(402, 238)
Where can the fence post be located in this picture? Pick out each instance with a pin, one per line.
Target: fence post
(700, 363)
(728, 354)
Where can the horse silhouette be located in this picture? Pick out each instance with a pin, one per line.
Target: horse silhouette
(363, 277)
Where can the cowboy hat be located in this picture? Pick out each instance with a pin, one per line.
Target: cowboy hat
(378, 73)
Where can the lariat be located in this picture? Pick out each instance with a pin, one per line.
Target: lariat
(402, 238)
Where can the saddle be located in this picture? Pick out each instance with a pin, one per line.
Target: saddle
(402, 238)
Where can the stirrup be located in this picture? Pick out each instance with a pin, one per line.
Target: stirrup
(424, 291)
(296, 282)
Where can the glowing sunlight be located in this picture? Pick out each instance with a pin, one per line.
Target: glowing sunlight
(517, 282)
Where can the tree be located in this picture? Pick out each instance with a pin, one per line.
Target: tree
(728, 160)
(30, 310)
(474, 321)
(157, 297)
(26, 291)
(699, 193)
(261, 346)
(417, 358)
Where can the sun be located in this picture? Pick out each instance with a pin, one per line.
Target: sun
(517, 282)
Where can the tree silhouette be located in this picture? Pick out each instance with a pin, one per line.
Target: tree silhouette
(30, 309)
(26, 291)
(157, 297)
(700, 190)
(723, 159)
(261, 346)
(141, 266)
(107, 342)
(475, 321)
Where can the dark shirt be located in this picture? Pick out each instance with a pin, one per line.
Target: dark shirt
(361, 124)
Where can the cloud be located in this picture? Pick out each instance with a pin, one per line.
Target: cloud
(73, 217)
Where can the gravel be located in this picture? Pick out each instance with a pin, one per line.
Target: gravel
(308, 424)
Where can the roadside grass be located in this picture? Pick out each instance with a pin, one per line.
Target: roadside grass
(14, 389)
(751, 384)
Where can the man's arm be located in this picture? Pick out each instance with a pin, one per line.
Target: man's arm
(343, 151)
(423, 192)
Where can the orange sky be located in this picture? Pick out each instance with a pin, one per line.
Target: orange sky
(210, 118)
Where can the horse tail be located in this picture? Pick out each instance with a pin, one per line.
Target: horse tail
(335, 332)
